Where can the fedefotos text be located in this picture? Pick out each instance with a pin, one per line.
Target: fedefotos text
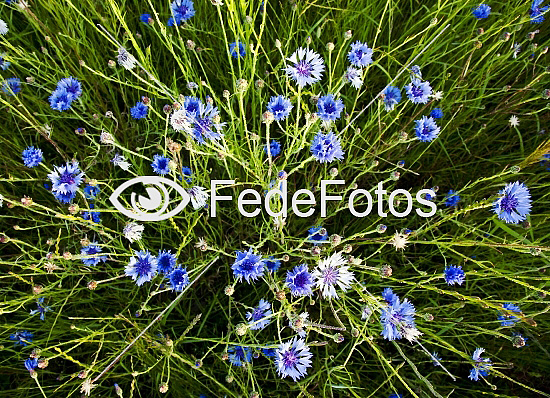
(304, 204)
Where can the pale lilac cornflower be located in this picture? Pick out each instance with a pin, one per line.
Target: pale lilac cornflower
(259, 317)
(354, 77)
(307, 67)
(331, 272)
(133, 231)
(293, 358)
(120, 161)
(418, 91)
(199, 196)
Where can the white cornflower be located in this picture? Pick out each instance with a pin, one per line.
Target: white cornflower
(180, 121)
(514, 121)
(199, 195)
(353, 77)
(106, 138)
(279, 222)
(333, 271)
(3, 27)
(399, 241)
(410, 333)
(87, 387)
(437, 95)
(132, 231)
(201, 244)
(120, 161)
(126, 59)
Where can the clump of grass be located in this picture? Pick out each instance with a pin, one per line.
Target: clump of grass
(186, 340)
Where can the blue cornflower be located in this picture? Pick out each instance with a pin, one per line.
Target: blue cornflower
(426, 129)
(4, 65)
(272, 264)
(31, 364)
(293, 358)
(146, 18)
(280, 106)
(505, 318)
(418, 91)
(545, 161)
(72, 86)
(514, 203)
(94, 216)
(91, 191)
(360, 54)
(436, 359)
(139, 111)
(389, 296)
(269, 352)
(21, 337)
(60, 100)
(248, 265)
(354, 77)
(160, 164)
(166, 261)
(300, 281)
(395, 396)
(186, 171)
(482, 11)
(537, 12)
(454, 275)
(191, 105)
(397, 319)
(91, 252)
(274, 148)
(482, 366)
(142, 267)
(204, 123)
(326, 147)
(40, 309)
(238, 355)
(317, 234)
(259, 317)
(182, 10)
(436, 113)
(329, 109)
(12, 86)
(32, 156)
(307, 67)
(65, 181)
(237, 52)
(452, 198)
(392, 96)
(416, 73)
(178, 279)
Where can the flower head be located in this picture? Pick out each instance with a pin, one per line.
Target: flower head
(120, 161)
(139, 111)
(21, 337)
(436, 113)
(259, 317)
(182, 10)
(40, 309)
(293, 358)
(454, 275)
(274, 148)
(199, 120)
(514, 203)
(160, 164)
(392, 96)
(354, 77)
(188, 173)
(329, 109)
(481, 11)
(331, 272)
(482, 366)
(142, 267)
(238, 355)
(91, 255)
(326, 147)
(360, 54)
(248, 265)
(3, 27)
(237, 49)
(146, 18)
(389, 296)
(178, 279)
(65, 181)
(60, 100)
(31, 364)
(317, 234)
(125, 59)
(307, 67)
(72, 86)
(166, 261)
(418, 91)
(397, 319)
(300, 281)
(11, 86)
(199, 196)
(280, 106)
(505, 318)
(4, 65)
(426, 129)
(133, 231)
(32, 156)
(272, 264)
(536, 12)
(452, 198)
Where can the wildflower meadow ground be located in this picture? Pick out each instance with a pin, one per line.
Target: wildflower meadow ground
(223, 198)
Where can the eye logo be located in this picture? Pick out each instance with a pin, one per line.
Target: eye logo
(157, 196)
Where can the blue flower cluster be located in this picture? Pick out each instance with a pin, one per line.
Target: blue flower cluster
(67, 90)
